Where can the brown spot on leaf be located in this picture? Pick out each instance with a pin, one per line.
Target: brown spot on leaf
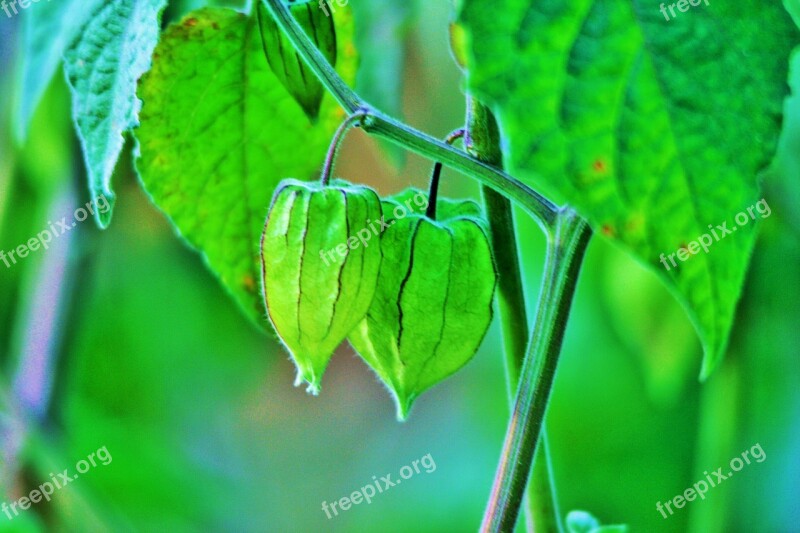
(600, 166)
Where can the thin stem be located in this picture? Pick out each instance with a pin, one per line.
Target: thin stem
(405, 136)
(542, 496)
(433, 191)
(350, 122)
(436, 175)
(566, 247)
(539, 208)
(483, 142)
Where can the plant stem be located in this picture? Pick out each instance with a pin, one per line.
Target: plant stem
(542, 495)
(543, 211)
(350, 122)
(483, 142)
(565, 250)
(433, 191)
(433, 194)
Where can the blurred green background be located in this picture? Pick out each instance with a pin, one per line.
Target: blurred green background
(123, 339)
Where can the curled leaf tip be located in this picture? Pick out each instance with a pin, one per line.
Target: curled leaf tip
(103, 216)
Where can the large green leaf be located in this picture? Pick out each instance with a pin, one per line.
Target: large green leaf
(218, 133)
(102, 66)
(652, 129)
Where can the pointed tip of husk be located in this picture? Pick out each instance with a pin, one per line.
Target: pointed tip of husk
(404, 405)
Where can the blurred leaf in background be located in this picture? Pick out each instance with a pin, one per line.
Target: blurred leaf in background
(48, 31)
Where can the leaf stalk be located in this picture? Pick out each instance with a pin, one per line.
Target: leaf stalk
(353, 121)
(433, 194)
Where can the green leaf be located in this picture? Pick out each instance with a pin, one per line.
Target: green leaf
(103, 66)
(219, 132)
(48, 29)
(652, 129)
(433, 304)
(320, 268)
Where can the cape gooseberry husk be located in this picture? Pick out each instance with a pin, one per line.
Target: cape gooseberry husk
(320, 268)
(285, 62)
(433, 303)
